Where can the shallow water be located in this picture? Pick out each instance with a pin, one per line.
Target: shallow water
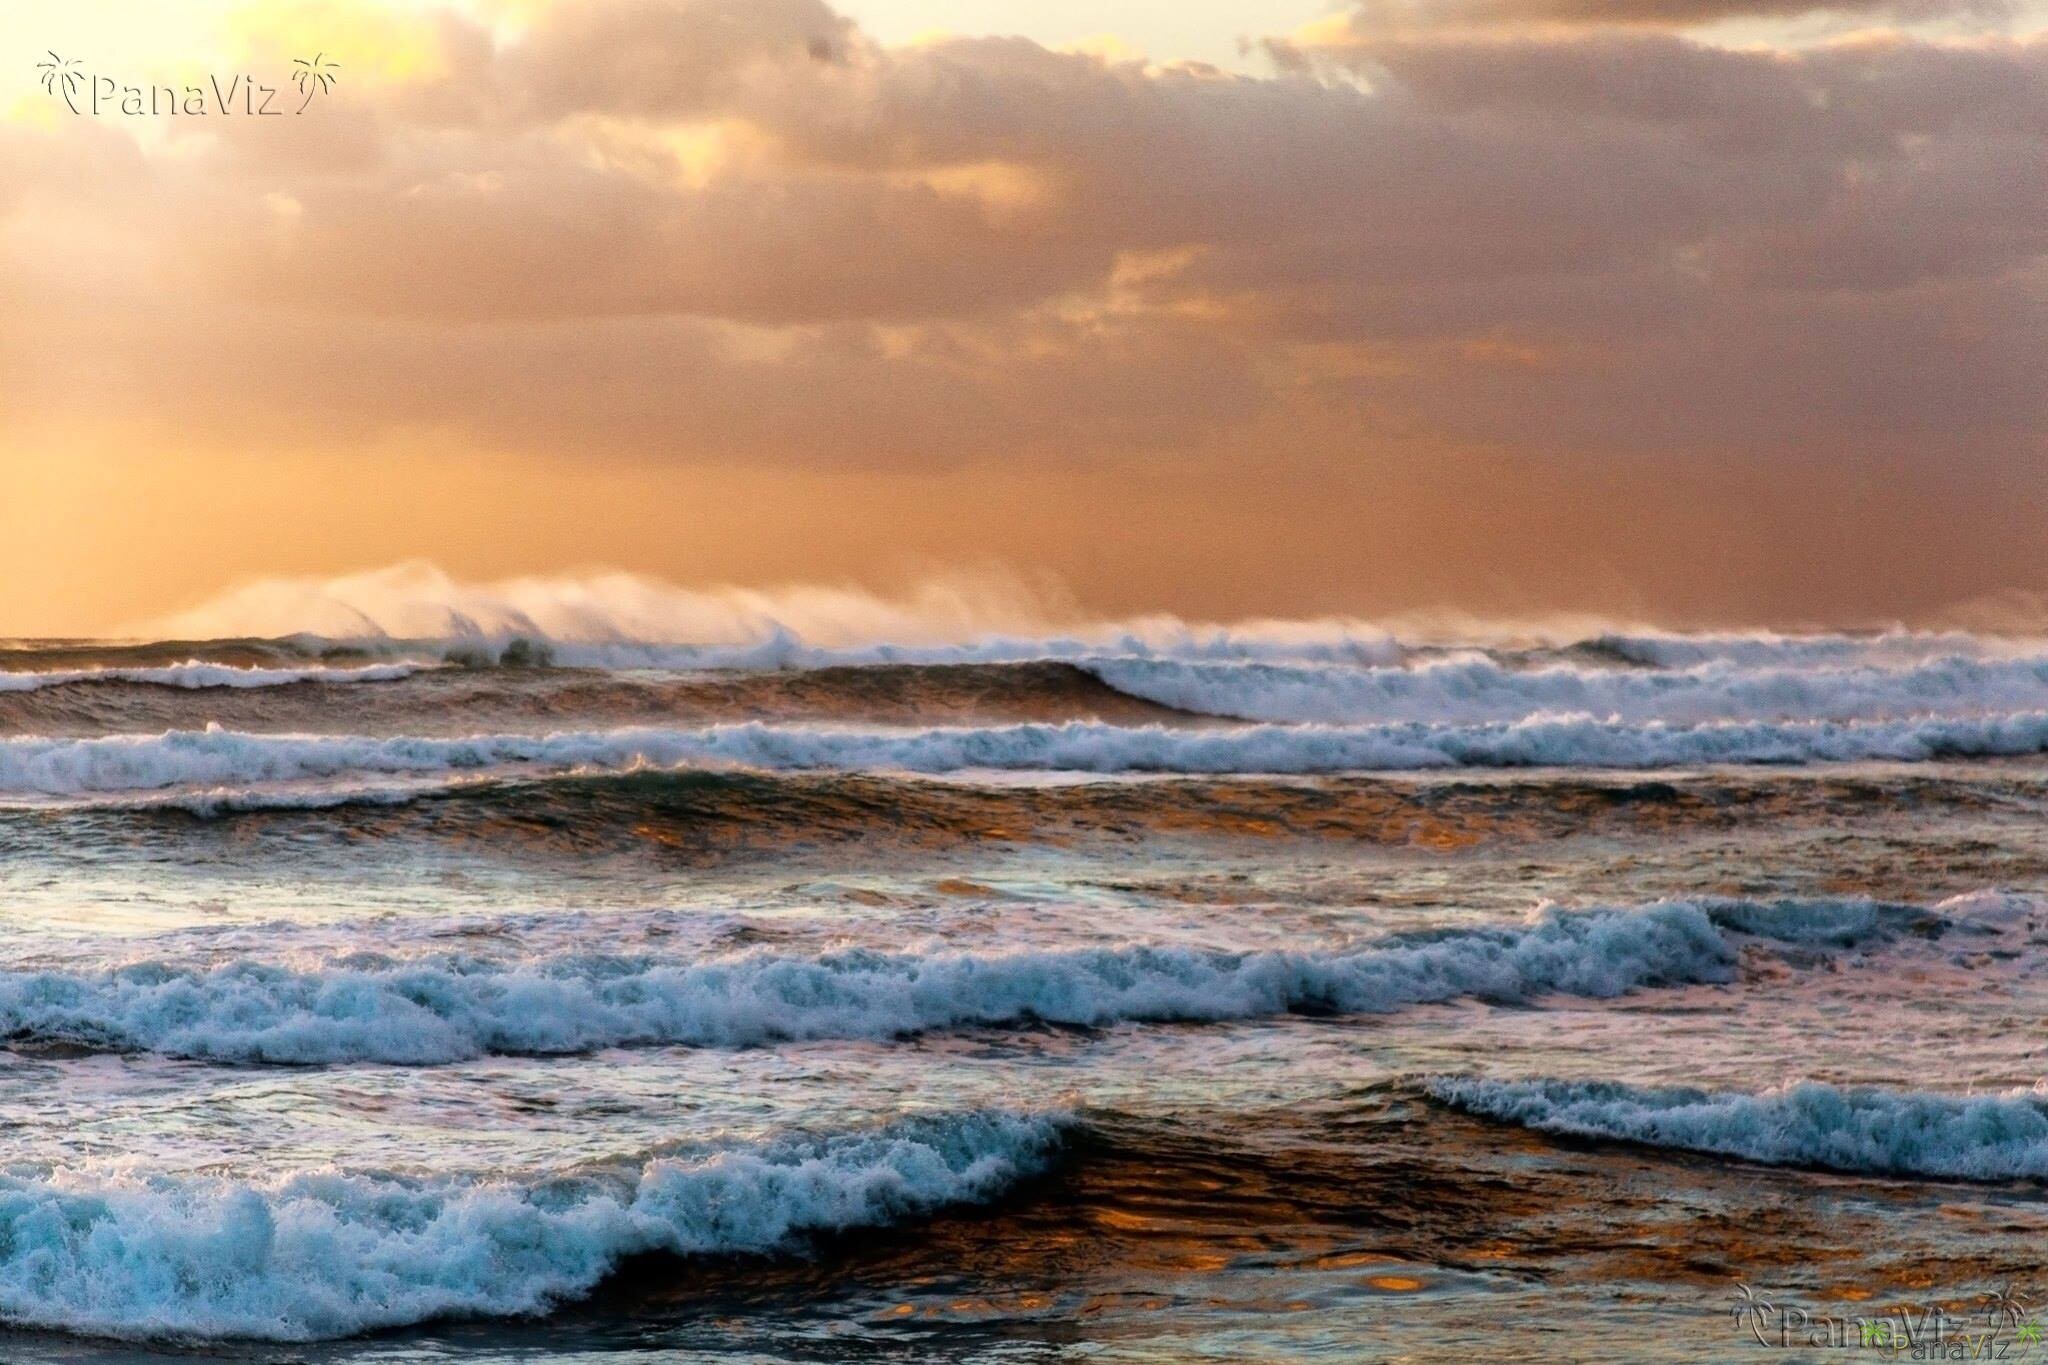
(824, 1013)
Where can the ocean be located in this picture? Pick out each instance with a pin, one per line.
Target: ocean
(1285, 994)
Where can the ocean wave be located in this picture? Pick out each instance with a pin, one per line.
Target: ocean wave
(766, 644)
(987, 615)
(627, 620)
(1774, 649)
(778, 648)
(332, 1254)
(781, 648)
(198, 674)
(440, 1010)
(1888, 1132)
(213, 758)
(1478, 690)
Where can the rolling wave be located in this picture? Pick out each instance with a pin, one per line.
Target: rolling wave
(212, 758)
(721, 817)
(196, 675)
(572, 624)
(333, 1254)
(1774, 649)
(445, 1010)
(461, 700)
(1478, 690)
(1885, 1132)
(1162, 672)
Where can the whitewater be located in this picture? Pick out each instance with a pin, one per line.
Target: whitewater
(222, 759)
(418, 970)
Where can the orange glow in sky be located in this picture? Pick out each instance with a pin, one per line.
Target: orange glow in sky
(1700, 310)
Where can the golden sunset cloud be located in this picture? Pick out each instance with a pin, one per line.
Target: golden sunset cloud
(1497, 307)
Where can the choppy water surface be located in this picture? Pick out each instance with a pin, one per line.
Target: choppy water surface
(408, 1001)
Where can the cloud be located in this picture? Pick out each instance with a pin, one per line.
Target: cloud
(702, 231)
(1370, 20)
(661, 59)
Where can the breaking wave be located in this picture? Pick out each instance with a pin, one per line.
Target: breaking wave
(211, 758)
(1772, 649)
(1478, 690)
(451, 1009)
(332, 1254)
(627, 620)
(196, 674)
(1887, 1132)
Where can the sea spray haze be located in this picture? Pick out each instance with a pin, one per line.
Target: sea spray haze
(578, 967)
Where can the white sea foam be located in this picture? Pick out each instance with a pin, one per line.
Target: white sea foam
(630, 621)
(1478, 690)
(215, 758)
(627, 620)
(781, 648)
(1993, 910)
(956, 617)
(448, 1009)
(332, 1254)
(195, 675)
(1772, 649)
(1902, 1132)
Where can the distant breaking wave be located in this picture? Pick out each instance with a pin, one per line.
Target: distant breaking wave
(447, 1010)
(1885, 1132)
(213, 758)
(1478, 690)
(628, 620)
(781, 648)
(196, 674)
(1772, 649)
(1333, 644)
(331, 1254)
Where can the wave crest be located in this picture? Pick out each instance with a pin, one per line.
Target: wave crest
(1886, 1132)
(333, 1254)
(215, 758)
(629, 620)
(197, 675)
(1478, 690)
(446, 1010)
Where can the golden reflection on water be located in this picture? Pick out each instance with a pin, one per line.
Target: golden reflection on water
(1397, 1204)
(716, 817)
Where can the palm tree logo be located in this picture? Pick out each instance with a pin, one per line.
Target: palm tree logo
(1746, 1306)
(2006, 1308)
(313, 78)
(61, 78)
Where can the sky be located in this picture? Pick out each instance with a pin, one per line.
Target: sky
(1698, 311)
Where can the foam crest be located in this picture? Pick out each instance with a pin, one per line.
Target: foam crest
(196, 675)
(629, 620)
(780, 648)
(214, 758)
(1479, 690)
(333, 1254)
(1772, 649)
(450, 1009)
(1889, 1132)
